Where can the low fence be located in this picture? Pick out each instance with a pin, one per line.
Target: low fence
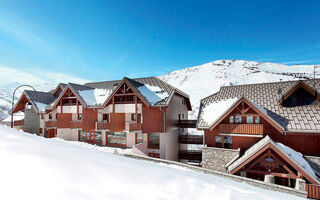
(256, 183)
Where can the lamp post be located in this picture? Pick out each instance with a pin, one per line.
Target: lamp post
(13, 100)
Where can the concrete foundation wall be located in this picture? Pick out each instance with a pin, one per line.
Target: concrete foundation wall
(217, 158)
(68, 134)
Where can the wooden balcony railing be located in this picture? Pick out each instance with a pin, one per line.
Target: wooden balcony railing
(245, 129)
(103, 125)
(191, 139)
(18, 123)
(133, 126)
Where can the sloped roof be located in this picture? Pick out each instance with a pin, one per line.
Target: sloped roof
(138, 82)
(39, 99)
(295, 119)
(289, 153)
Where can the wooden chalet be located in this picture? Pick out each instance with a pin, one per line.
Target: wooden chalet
(138, 113)
(258, 118)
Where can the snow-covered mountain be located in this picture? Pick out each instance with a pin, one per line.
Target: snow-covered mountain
(204, 80)
(199, 81)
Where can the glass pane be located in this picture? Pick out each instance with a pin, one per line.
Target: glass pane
(238, 119)
(231, 119)
(227, 139)
(154, 141)
(219, 141)
(117, 138)
(249, 119)
(257, 120)
(139, 138)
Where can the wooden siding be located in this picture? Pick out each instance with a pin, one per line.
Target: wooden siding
(103, 125)
(152, 119)
(51, 124)
(246, 129)
(117, 122)
(63, 120)
(89, 118)
(18, 123)
(313, 191)
(133, 126)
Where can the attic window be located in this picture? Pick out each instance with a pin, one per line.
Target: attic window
(300, 97)
(28, 105)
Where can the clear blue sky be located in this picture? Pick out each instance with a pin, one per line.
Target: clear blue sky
(102, 40)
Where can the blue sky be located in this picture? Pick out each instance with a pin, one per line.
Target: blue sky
(104, 40)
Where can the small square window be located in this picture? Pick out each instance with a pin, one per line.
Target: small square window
(50, 116)
(257, 120)
(249, 119)
(238, 119)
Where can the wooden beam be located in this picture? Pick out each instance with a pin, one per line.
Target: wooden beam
(113, 106)
(128, 94)
(270, 173)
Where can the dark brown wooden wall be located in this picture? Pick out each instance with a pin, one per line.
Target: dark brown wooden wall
(152, 119)
(89, 118)
(63, 120)
(117, 122)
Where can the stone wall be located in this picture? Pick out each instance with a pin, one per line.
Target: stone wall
(217, 158)
(256, 183)
(31, 121)
(314, 162)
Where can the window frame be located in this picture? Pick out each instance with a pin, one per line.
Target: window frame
(153, 146)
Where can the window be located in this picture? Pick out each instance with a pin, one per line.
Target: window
(257, 120)
(133, 117)
(139, 138)
(50, 116)
(227, 142)
(249, 119)
(183, 102)
(117, 138)
(238, 119)
(154, 141)
(79, 116)
(41, 116)
(179, 117)
(231, 120)
(105, 117)
(28, 105)
(182, 115)
(219, 141)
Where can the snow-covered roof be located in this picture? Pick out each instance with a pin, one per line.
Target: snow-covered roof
(153, 94)
(265, 96)
(95, 97)
(293, 155)
(214, 111)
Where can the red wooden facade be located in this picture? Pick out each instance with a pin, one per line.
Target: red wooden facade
(307, 144)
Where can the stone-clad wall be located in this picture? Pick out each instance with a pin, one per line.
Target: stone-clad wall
(217, 158)
(31, 121)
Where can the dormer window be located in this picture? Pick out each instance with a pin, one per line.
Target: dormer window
(300, 95)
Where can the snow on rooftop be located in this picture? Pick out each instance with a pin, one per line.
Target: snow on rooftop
(298, 158)
(41, 106)
(53, 169)
(213, 111)
(153, 94)
(95, 96)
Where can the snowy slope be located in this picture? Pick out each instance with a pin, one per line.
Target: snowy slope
(204, 80)
(56, 169)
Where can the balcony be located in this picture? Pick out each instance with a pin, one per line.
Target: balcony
(103, 125)
(242, 129)
(187, 123)
(18, 123)
(133, 126)
(191, 139)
